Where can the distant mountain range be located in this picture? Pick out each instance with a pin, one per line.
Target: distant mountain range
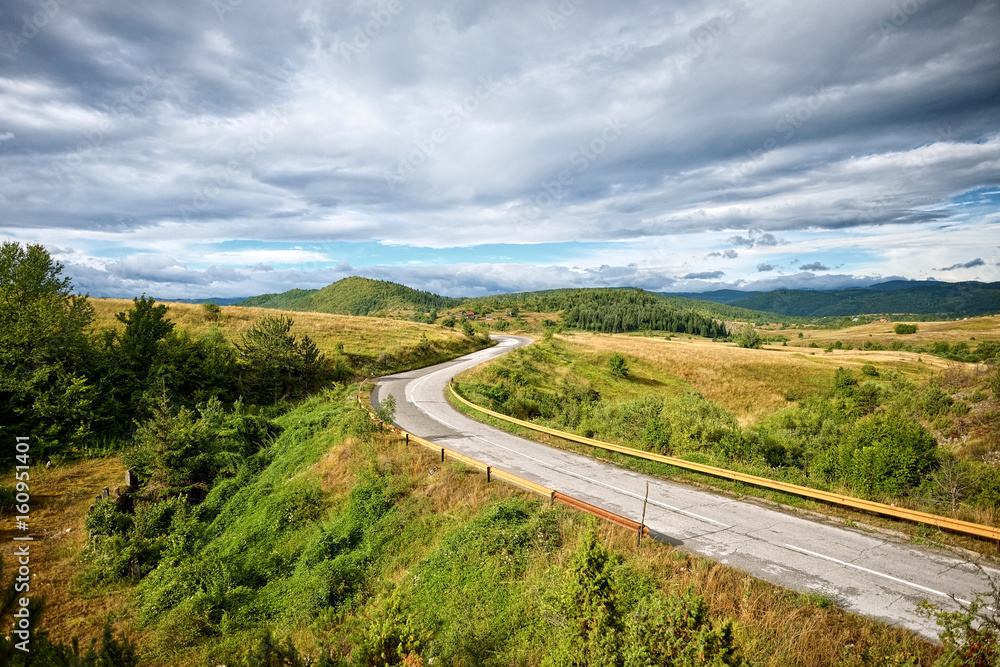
(893, 297)
(363, 296)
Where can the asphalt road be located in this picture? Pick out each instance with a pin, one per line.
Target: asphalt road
(880, 576)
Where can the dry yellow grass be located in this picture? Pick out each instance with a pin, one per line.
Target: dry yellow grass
(972, 331)
(60, 498)
(360, 335)
(750, 383)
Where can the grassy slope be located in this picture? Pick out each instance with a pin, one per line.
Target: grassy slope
(443, 524)
(753, 385)
(365, 339)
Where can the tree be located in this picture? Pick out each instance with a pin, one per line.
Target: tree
(45, 352)
(129, 369)
(749, 337)
(618, 366)
(274, 366)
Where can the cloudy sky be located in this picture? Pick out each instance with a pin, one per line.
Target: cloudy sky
(200, 148)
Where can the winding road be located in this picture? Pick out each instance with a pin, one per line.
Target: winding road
(876, 575)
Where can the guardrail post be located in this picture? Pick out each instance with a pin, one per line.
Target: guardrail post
(407, 435)
(488, 468)
(442, 455)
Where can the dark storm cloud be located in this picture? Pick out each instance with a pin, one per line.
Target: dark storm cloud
(967, 265)
(704, 275)
(814, 266)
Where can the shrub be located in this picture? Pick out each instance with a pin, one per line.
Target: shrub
(886, 453)
(748, 337)
(901, 328)
(618, 366)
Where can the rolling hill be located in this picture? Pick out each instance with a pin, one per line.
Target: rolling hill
(354, 296)
(892, 297)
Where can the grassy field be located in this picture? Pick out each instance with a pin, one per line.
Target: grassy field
(377, 345)
(972, 330)
(750, 383)
(500, 581)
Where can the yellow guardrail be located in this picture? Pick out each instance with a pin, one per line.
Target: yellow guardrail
(526, 484)
(955, 525)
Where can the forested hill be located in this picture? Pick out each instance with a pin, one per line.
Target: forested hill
(610, 310)
(354, 296)
(618, 310)
(899, 296)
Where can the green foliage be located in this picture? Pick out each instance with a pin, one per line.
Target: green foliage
(901, 328)
(618, 311)
(274, 366)
(971, 635)
(449, 322)
(106, 519)
(869, 370)
(748, 337)
(45, 354)
(354, 296)
(885, 454)
(387, 409)
(606, 623)
(617, 366)
(212, 311)
(677, 630)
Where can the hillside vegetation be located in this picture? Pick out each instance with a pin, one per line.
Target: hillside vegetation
(926, 298)
(328, 540)
(866, 424)
(354, 296)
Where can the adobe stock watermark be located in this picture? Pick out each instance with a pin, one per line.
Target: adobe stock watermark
(787, 126)
(707, 34)
(32, 25)
(368, 31)
(453, 119)
(563, 11)
(899, 16)
(582, 158)
(221, 176)
(123, 108)
(907, 180)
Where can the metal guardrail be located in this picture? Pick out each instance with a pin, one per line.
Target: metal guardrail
(552, 495)
(946, 523)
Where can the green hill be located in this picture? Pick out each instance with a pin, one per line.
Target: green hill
(354, 296)
(921, 298)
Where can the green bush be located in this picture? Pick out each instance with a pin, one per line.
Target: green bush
(886, 453)
(901, 328)
(618, 366)
(106, 519)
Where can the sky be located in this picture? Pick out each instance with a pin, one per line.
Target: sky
(222, 148)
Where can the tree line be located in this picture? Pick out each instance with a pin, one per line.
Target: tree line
(69, 388)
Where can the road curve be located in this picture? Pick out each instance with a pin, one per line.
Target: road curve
(866, 573)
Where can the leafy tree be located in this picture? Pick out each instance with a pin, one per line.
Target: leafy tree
(886, 453)
(127, 371)
(748, 337)
(618, 366)
(44, 352)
